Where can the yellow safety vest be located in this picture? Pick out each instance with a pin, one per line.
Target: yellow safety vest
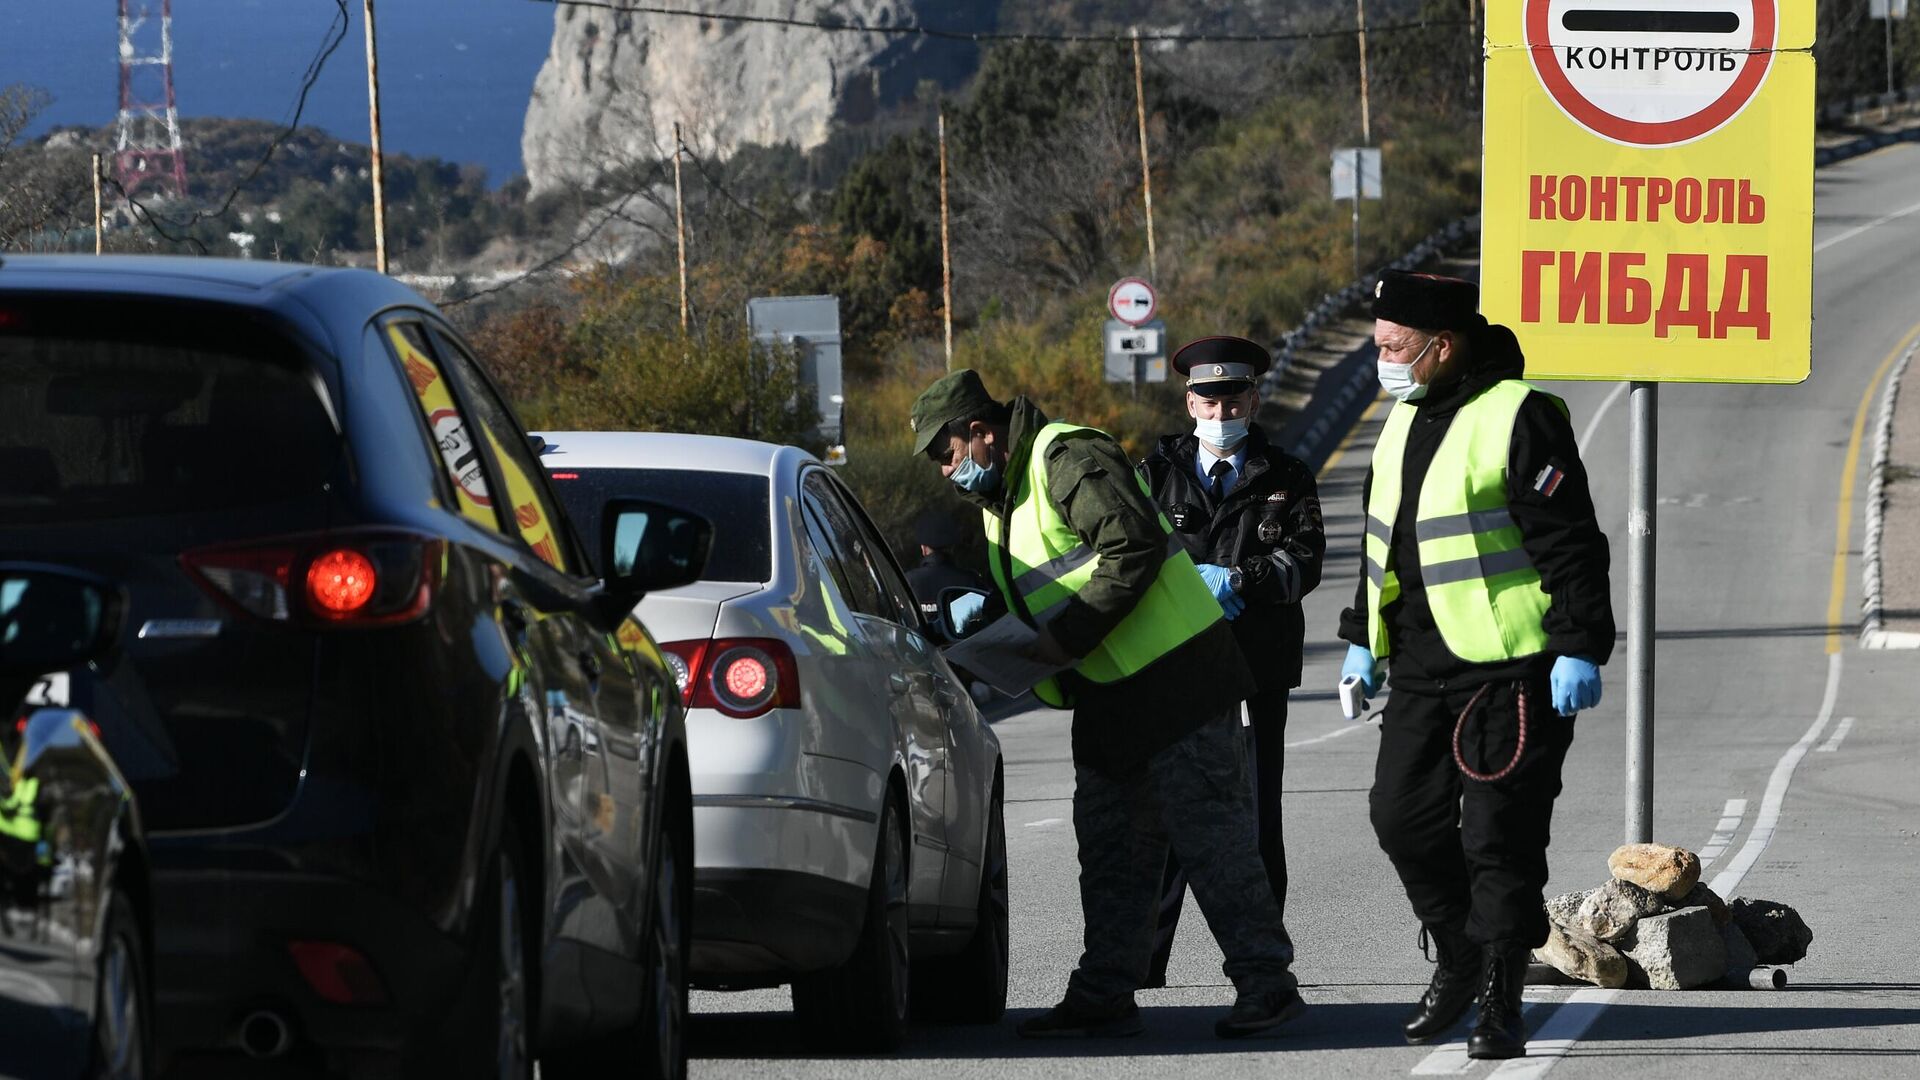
(1050, 564)
(1482, 587)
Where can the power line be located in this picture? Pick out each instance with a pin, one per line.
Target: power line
(837, 26)
(336, 33)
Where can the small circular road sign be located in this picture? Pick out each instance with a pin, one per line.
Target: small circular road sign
(1132, 301)
(1651, 72)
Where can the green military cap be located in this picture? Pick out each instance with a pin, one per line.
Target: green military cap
(957, 395)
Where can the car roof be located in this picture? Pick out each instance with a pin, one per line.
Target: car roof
(666, 450)
(330, 296)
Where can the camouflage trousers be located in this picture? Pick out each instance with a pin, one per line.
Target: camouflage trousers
(1196, 798)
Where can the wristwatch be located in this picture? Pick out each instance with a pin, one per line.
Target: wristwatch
(1235, 578)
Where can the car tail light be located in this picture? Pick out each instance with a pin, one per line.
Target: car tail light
(341, 583)
(741, 677)
(359, 577)
(338, 973)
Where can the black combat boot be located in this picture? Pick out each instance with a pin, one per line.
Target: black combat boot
(1501, 1031)
(1456, 973)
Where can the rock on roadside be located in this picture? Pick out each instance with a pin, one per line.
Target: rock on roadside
(1680, 950)
(1584, 957)
(1669, 871)
(1740, 957)
(1609, 912)
(1778, 934)
(1561, 910)
(1701, 896)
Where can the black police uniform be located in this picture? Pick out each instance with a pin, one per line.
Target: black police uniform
(937, 571)
(1268, 526)
(1472, 853)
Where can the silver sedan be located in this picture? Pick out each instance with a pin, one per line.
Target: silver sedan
(848, 832)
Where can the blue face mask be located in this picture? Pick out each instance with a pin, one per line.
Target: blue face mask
(971, 476)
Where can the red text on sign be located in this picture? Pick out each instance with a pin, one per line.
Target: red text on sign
(1644, 198)
(1619, 288)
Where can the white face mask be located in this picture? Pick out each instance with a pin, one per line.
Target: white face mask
(1397, 379)
(1225, 434)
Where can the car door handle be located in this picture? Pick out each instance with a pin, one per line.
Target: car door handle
(900, 683)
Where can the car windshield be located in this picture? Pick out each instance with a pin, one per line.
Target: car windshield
(736, 504)
(102, 421)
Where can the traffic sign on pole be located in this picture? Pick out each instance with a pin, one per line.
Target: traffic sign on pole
(1132, 301)
(1648, 200)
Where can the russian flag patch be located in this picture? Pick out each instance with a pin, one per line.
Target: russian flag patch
(1548, 481)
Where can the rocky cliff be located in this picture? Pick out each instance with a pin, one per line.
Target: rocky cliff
(614, 84)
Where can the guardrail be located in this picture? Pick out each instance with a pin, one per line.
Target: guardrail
(1850, 110)
(1333, 305)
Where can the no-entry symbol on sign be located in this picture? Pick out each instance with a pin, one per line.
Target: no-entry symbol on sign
(1651, 72)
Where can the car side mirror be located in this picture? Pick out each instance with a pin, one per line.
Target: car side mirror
(960, 610)
(51, 619)
(648, 546)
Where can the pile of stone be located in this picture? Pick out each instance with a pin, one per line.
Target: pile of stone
(1656, 925)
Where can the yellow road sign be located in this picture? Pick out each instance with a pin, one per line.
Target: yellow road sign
(1647, 209)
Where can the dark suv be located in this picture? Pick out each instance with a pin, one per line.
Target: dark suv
(415, 785)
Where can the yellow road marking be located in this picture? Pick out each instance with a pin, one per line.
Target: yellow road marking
(1848, 473)
(1340, 451)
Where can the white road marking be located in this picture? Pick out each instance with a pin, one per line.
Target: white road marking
(1334, 734)
(1724, 832)
(1764, 824)
(1839, 732)
(1046, 821)
(1450, 1059)
(1558, 1034)
(1593, 424)
(1858, 229)
(1566, 1025)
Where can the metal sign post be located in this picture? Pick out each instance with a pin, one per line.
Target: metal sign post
(1647, 217)
(1644, 402)
(1356, 176)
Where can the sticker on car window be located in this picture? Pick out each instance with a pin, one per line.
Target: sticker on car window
(451, 433)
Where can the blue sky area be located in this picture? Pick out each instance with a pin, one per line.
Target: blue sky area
(455, 75)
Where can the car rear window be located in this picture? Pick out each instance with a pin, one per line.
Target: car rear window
(105, 422)
(736, 504)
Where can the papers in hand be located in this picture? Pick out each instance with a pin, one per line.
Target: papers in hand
(998, 656)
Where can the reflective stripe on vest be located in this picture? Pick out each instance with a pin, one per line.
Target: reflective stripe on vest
(1050, 565)
(1480, 584)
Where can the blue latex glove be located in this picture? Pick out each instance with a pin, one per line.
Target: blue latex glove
(1360, 662)
(1576, 684)
(966, 608)
(1217, 578)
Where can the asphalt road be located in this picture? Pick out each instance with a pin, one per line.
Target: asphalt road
(1774, 732)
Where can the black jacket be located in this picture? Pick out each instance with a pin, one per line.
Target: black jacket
(935, 574)
(1558, 530)
(1268, 526)
(1117, 726)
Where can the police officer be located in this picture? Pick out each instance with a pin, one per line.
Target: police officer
(1484, 589)
(937, 534)
(1249, 514)
(1078, 551)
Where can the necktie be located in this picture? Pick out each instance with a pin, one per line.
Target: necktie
(1218, 474)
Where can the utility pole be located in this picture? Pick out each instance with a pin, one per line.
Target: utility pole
(1366, 119)
(1473, 49)
(1146, 165)
(680, 224)
(373, 118)
(946, 258)
(99, 235)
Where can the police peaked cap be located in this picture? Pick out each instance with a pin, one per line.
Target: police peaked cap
(1222, 365)
(1427, 302)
